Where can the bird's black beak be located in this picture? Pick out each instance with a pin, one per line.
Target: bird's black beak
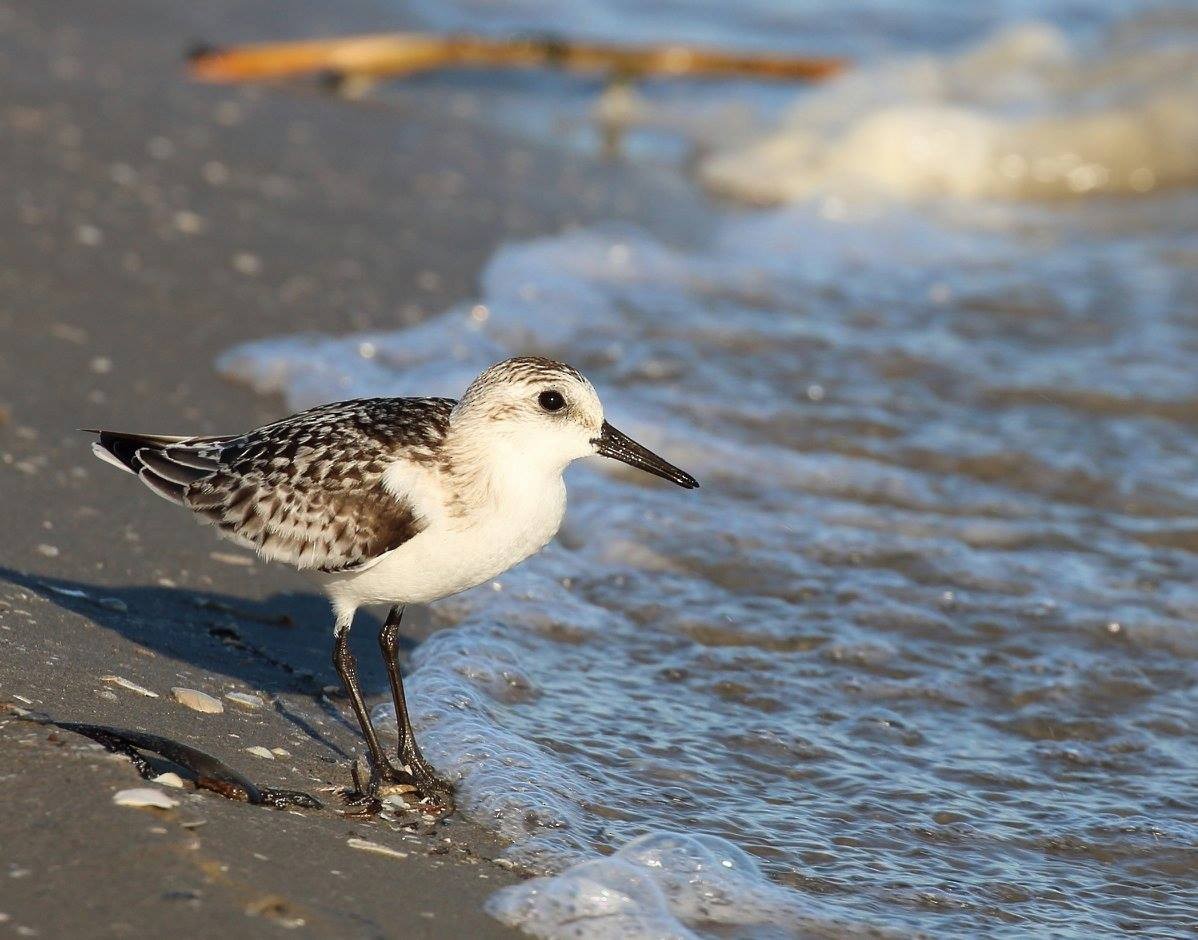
(619, 446)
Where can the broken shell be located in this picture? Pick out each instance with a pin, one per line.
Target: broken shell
(144, 796)
(259, 751)
(367, 846)
(169, 779)
(395, 789)
(245, 699)
(131, 686)
(197, 701)
(67, 592)
(229, 558)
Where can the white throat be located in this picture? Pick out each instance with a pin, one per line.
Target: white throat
(508, 474)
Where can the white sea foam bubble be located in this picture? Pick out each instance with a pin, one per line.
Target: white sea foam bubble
(661, 885)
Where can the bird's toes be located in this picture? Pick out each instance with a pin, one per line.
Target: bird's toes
(428, 796)
(379, 784)
(433, 785)
(413, 789)
(435, 794)
(359, 805)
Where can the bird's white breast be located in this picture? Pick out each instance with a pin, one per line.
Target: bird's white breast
(462, 546)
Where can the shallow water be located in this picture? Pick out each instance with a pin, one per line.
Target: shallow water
(924, 643)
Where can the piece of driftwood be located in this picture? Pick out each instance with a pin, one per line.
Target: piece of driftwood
(398, 54)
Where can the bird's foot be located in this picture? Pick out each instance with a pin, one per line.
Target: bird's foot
(435, 793)
(417, 787)
(383, 781)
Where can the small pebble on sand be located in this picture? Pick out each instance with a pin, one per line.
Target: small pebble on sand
(246, 700)
(144, 796)
(197, 701)
(246, 263)
(189, 223)
(88, 235)
(215, 172)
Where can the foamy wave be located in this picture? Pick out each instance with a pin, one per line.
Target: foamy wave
(1027, 115)
(662, 885)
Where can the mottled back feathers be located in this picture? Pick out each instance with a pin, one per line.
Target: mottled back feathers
(307, 490)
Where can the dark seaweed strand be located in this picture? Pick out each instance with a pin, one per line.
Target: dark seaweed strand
(210, 773)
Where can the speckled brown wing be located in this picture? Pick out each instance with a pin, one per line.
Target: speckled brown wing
(307, 490)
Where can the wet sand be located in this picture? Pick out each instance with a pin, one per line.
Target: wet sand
(150, 225)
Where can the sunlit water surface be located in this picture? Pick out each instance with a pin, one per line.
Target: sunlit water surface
(921, 653)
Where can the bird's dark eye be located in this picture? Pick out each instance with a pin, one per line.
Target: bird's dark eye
(551, 401)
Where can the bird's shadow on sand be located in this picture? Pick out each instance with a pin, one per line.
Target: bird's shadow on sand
(282, 644)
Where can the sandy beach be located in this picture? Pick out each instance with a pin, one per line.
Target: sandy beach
(151, 224)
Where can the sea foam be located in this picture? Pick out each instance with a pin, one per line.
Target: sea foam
(1026, 114)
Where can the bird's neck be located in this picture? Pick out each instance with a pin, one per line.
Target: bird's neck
(498, 474)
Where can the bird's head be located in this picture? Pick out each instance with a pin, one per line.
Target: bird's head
(547, 412)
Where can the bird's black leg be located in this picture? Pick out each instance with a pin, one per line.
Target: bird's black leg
(382, 770)
(409, 752)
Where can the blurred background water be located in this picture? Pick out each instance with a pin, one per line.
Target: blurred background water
(924, 644)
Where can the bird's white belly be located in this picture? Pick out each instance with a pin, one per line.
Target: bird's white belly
(446, 558)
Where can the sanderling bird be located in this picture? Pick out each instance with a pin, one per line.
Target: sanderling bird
(395, 501)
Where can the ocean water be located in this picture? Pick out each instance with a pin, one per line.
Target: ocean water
(921, 656)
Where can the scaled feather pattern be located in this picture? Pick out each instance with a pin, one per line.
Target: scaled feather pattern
(307, 490)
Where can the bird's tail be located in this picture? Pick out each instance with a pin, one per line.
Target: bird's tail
(166, 464)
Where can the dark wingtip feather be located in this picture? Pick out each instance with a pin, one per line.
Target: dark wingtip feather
(169, 469)
(159, 460)
(163, 487)
(206, 459)
(116, 451)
